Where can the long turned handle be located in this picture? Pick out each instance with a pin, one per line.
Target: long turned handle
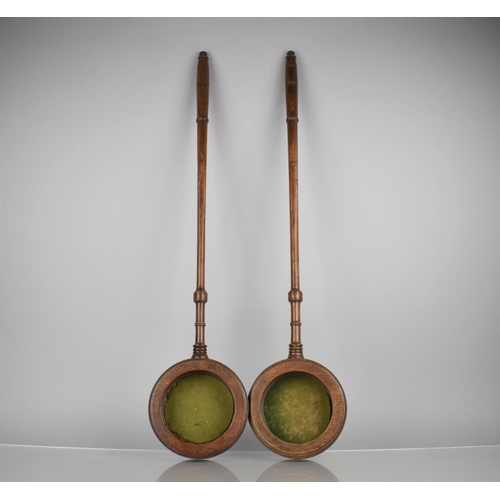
(200, 295)
(295, 295)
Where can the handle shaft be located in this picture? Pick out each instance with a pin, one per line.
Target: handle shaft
(295, 294)
(200, 295)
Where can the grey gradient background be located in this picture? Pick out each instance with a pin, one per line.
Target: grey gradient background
(399, 177)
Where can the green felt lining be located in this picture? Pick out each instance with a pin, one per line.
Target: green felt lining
(297, 408)
(199, 408)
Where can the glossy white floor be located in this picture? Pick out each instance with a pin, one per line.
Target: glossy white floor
(38, 463)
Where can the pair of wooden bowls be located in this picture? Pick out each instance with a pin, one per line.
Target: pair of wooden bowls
(257, 409)
(199, 408)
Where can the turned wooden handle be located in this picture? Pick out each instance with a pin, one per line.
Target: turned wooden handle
(202, 87)
(295, 294)
(291, 86)
(200, 295)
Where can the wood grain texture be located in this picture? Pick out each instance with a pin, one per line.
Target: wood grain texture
(295, 364)
(200, 295)
(333, 388)
(199, 362)
(295, 294)
(160, 393)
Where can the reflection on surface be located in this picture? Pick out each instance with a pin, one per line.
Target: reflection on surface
(297, 471)
(197, 471)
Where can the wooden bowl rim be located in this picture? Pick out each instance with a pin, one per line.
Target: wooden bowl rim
(256, 402)
(167, 380)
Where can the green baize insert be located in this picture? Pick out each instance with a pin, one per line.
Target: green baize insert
(199, 408)
(297, 408)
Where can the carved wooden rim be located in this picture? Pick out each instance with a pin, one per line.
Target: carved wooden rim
(256, 401)
(166, 382)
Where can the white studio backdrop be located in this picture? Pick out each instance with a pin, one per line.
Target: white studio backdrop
(399, 184)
